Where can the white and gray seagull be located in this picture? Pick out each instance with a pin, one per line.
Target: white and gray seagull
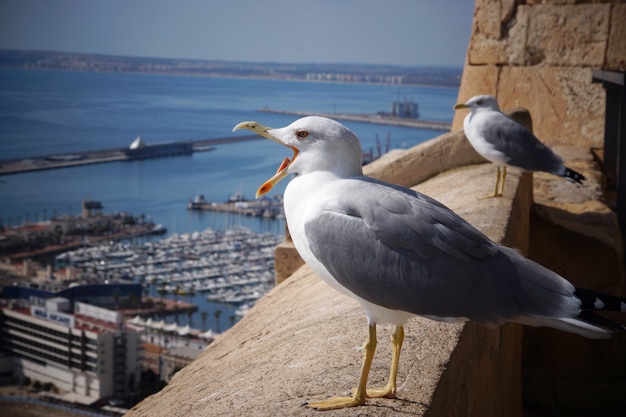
(400, 253)
(503, 141)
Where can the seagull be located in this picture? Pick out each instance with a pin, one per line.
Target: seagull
(503, 141)
(400, 253)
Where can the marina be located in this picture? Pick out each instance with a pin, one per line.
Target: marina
(235, 266)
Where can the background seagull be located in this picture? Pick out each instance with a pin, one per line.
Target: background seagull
(400, 253)
(503, 141)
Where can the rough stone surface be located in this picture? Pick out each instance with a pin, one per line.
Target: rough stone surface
(425, 160)
(506, 34)
(302, 341)
(616, 50)
(566, 108)
(476, 79)
(584, 30)
(286, 261)
(539, 55)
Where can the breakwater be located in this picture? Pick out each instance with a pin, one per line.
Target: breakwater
(71, 159)
(380, 119)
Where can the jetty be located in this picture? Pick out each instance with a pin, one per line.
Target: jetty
(265, 207)
(381, 119)
(139, 151)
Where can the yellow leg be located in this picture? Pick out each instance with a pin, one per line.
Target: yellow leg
(390, 390)
(503, 179)
(497, 192)
(358, 398)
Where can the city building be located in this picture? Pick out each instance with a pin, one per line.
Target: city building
(176, 359)
(87, 353)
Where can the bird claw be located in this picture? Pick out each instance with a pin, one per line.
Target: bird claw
(384, 392)
(493, 195)
(334, 403)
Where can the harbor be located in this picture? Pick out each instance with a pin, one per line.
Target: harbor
(234, 267)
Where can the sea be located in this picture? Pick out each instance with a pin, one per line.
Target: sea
(56, 112)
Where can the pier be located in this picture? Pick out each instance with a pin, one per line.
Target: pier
(380, 119)
(72, 159)
(269, 208)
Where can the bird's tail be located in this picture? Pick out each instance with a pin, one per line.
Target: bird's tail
(573, 176)
(586, 323)
(594, 300)
(597, 301)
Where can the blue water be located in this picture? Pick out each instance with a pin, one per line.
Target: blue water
(47, 112)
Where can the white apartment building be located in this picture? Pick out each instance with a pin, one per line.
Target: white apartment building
(87, 354)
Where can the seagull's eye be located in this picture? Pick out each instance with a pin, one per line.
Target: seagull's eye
(480, 102)
(302, 134)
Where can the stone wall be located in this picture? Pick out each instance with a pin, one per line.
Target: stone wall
(300, 342)
(539, 55)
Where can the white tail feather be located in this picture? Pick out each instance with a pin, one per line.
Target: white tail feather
(571, 325)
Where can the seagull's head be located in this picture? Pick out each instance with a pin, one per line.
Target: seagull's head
(318, 144)
(477, 103)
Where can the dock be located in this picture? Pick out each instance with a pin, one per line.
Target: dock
(380, 119)
(72, 159)
(268, 208)
(66, 160)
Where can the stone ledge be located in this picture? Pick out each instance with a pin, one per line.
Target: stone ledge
(302, 341)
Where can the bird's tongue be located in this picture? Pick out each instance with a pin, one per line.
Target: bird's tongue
(283, 165)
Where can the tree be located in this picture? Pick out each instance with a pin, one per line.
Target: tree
(162, 291)
(189, 314)
(176, 311)
(203, 316)
(217, 313)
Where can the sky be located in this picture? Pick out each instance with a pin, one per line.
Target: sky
(396, 32)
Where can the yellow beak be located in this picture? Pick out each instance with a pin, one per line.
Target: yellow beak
(282, 169)
(460, 106)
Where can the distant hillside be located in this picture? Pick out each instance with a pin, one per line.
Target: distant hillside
(386, 74)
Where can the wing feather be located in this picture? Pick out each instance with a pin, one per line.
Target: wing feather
(520, 145)
(414, 254)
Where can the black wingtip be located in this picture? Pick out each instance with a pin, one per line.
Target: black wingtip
(594, 300)
(574, 176)
(595, 319)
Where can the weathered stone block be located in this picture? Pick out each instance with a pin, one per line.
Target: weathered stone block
(568, 35)
(477, 79)
(487, 18)
(423, 161)
(286, 261)
(549, 34)
(616, 50)
(565, 106)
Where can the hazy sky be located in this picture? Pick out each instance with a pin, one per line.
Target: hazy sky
(402, 32)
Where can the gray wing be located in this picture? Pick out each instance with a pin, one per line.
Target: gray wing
(520, 145)
(405, 251)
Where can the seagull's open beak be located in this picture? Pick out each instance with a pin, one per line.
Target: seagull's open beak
(282, 169)
(460, 106)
